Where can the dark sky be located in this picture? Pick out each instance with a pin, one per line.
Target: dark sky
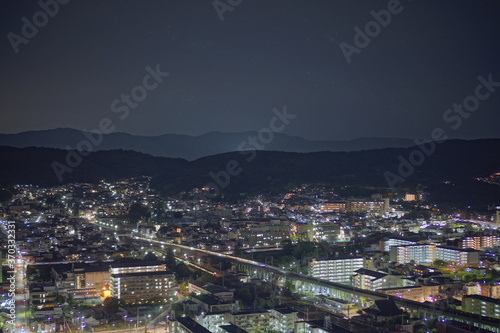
(228, 75)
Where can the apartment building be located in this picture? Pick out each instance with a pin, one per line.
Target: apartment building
(338, 270)
(478, 242)
(427, 253)
(138, 282)
(481, 305)
(265, 234)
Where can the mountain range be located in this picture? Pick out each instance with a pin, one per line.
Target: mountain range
(188, 147)
(451, 174)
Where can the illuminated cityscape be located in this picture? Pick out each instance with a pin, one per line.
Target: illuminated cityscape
(249, 166)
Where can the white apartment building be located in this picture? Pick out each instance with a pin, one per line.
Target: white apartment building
(427, 253)
(339, 270)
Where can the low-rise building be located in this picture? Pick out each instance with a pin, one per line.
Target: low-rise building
(481, 305)
(220, 292)
(43, 295)
(265, 234)
(413, 293)
(210, 303)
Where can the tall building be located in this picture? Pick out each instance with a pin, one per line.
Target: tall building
(338, 270)
(139, 282)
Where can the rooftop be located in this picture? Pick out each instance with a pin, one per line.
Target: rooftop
(122, 275)
(232, 329)
(192, 325)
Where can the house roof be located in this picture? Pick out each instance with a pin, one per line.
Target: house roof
(232, 329)
(375, 274)
(385, 307)
(482, 298)
(192, 325)
(284, 310)
(158, 273)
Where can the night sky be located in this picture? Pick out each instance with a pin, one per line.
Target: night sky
(228, 75)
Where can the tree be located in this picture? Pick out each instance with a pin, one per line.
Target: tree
(469, 277)
(5, 195)
(238, 251)
(170, 259)
(182, 271)
(150, 256)
(183, 287)
(60, 299)
(324, 249)
(137, 212)
(206, 278)
(440, 263)
(287, 247)
(111, 303)
(245, 295)
(222, 264)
